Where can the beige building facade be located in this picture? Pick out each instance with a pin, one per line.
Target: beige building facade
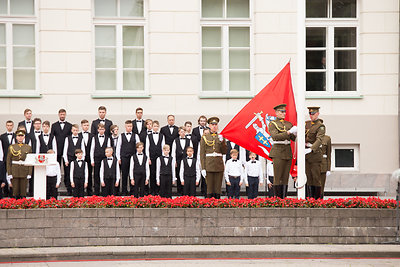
(194, 57)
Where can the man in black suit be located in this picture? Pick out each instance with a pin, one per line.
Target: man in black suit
(7, 139)
(198, 133)
(60, 130)
(102, 119)
(27, 123)
(139, 125)
(170, 131)
(87, 139)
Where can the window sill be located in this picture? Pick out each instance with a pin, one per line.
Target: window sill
(19, 95)
(104, 96)
(334, 96)
(227, 95)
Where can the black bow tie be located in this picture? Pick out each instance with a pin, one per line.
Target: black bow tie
(128, 133)
(80, 160)
(115, 138)
(166, 157)
(86, 132)
(253, 161)
(28, 122)
(75, 137)
(234, 160)
(141, 154)
(189, 158)
(171, 126)
(37, 131)
(182, 138)
(155, 133)
(149, 132)
(138, 120)
(101, 136)
(202, 127)
(109, 158)
(45, 135)
(9, 133)
(61, 122)
(188, 134)
(102, 120)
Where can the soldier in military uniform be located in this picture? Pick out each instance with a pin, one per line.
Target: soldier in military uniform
(315, 132)
(326, 161)
(282, 132)
(18, 173)
(212, 147)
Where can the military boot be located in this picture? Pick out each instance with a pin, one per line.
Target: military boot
(284, 191)
(317, 192)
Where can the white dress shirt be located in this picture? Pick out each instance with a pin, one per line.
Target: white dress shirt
(158, 166)
(1, 152)
(54, 170)
(28, 125)
(190, 162)
(139, 125)
(140, 159)
(85, 136)
(75, 140)
(101, 141)
(109, 162)
(234, 168)
(10, 137)
(156, 136)
(62, 124)
(119, 143)
(71, 173)
(253, 168)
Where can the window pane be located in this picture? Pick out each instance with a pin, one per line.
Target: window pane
(2, 56)
(345, 81)
(2, 34)
(212, 81)
(211, 59)
(315, 81)
(131, 8)
(315, 60)
(239, 37)
(315, 37)
(239, 81)
(211, 37)
(133, 36)
(24, 79)
(23, 34)
(212, 8)
(105, 36)
(105, 8)
(22, 7)
(345, 59)
(105, 58)
(239, 59)
(345, 37)
(105, 80)
(24, 56)
(344, 158)
(133, 58)
(344, 8)
(3, 7)
(3, 79)
(133, 80)
(316, 8)
(238, 8)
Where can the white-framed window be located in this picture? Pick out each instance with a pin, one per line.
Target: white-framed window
(345, 157)
(226, 48)
(332, 48)
(120, 48)
(18, 48)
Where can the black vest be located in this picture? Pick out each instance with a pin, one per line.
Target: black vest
(110, 173)
(228, 151)
(181, 151)
(165, 169)
(43, 147)
(79, 172)
(100, 151)
(155, 150)
(189, 171)
(127, 148)
(137, 168)
(71, 147)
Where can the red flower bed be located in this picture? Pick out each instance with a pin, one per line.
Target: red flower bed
(193, 202)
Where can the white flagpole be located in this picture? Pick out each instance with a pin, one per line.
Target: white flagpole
(300, 98)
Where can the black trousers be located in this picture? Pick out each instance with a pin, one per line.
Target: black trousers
(51, 190)
(31, 183)
(139, 188)
(67, 181)
(179, 187)
(79, 190)
(89, 188)
(234, 189)
(203, 186)
(154, 188)
(189, 188)
(96, 175)
(125, 164)
(253, 187)
(270, 192)
(109, 189)
(166, 185)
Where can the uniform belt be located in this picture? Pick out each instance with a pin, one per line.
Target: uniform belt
(325, 156)
(285, 142)
(20, 162)
(214, 155)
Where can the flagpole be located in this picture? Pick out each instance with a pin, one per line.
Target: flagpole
(300, 99)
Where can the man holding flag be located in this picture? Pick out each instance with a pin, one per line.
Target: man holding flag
(282, 132)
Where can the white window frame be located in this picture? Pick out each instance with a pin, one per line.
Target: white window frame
(356, 149)
(119, 23)
(9, 21)
(330, 24)
(224, 23)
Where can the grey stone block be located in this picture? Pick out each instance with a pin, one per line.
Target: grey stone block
(384, 222)
(174, 222)
(109, 222)
(193, 213)
(15, 214)
(241, 231)
(241, 213)
(53, 213)
(107, 232)
(387, 213)
(74, 213)
(159, 213)
(265, 222)
(304, 231)
(316, 221)
(32, 242)
(120, 232)
(192, 231)
(209, 231)
(209, 222)
(24, 233)
(70, 242)
(288, 222)
(32, 223)
(124, 213)
(154, 231)
(303, 212)
(209, 213)
(70, 232)
(147, 241)
(386, 231)
(176, 232)
(155, 222)
(130, 241)
(176, 213)
(89, 213)
(142, 213)
(106, 213)
(97, 241)
(225, 231)
(34, 213)
(328, 231)
(194, 222)
(302, 221)
(3, 213)
(117, 241)
(135, 222)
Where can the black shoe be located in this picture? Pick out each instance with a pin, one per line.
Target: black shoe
(217, 196)
(317, 192)
(284, 191)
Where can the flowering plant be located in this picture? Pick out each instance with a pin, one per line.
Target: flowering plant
(194, 202)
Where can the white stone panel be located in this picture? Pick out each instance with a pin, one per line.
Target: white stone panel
(275, 43)
(52, 20)
(174, 5)
(187, 22)
(53, 62)
(79, 20)
(177, 43)
(379, 43)
(167, 84)
(372, 64)
(161, 22)
(65, 41)
(272, 6)
(379, 5)
(79, 62)
(275, 22)
(66, 84)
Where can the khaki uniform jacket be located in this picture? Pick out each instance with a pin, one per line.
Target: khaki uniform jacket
(209, 144)
(278, 131)
(18, 152)
(315, 131)
(326, 154)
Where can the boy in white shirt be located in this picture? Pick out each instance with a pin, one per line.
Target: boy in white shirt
(78, 174)
(165, 175)
(253, 175)
(53, 178)
(109, 174)
(189, 173)
(139, 171)
(234, 174)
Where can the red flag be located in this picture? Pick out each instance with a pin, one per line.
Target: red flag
(249, 128)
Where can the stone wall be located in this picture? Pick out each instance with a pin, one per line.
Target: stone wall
(100, 227)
